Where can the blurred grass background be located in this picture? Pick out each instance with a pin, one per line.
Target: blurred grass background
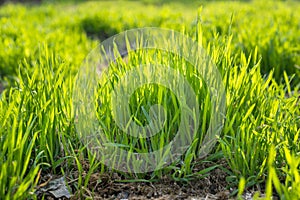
(70, 28)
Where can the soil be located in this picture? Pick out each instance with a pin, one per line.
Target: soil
(210, 187)
(110, 186)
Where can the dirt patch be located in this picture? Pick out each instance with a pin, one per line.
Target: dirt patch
(210, 186)
(113, 186)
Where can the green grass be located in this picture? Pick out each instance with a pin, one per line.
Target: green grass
(256, 51)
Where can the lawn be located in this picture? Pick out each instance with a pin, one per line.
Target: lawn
(65, 124)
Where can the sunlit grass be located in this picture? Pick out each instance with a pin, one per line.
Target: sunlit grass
(39, 58)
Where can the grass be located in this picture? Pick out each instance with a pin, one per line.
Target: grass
(256, 52)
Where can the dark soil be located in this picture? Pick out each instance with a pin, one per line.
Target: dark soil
(109, 186)
(211, 187)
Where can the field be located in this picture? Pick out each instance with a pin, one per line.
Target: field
(44, 153)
